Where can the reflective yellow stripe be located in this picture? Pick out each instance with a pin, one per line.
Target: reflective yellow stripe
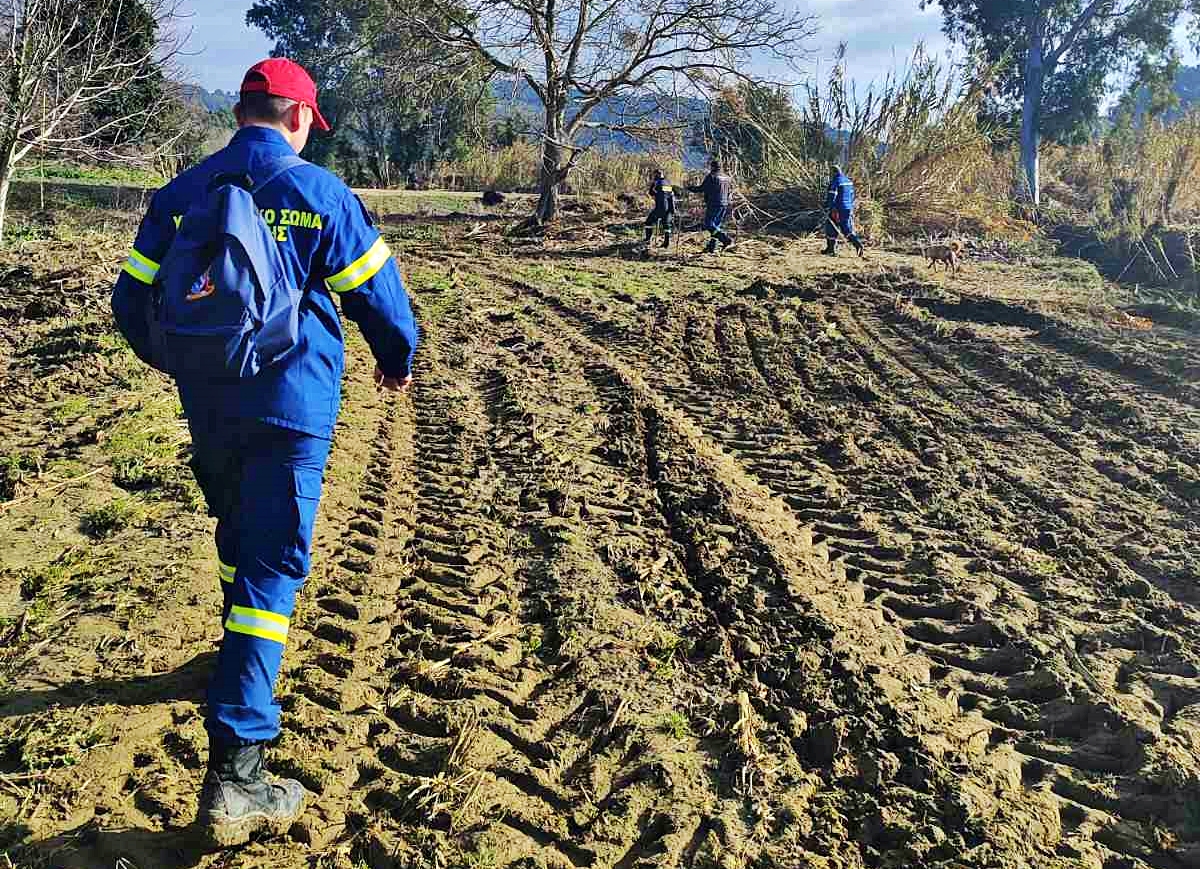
(226, 571)
(253, 631)
(140, 267)
(144, 260)
(261, 614)
(361, 270)
(257, 623)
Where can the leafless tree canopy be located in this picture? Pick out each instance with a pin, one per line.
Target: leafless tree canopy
(62, 61)
(577, 55)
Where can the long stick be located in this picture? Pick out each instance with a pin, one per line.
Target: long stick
(835, 226)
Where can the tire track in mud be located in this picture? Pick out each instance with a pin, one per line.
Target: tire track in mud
(844, 609)
(1044, 372)
(954, 620)
(1132, 365)
(941, 632)
(534, 759)
(1095, 729)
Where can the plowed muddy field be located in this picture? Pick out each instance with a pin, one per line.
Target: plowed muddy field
(760, 561)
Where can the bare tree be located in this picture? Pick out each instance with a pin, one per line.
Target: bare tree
(635, 55)
(68, 70)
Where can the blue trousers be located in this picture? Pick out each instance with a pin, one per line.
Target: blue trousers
(262, 483)
(713, 218)
(845, 222)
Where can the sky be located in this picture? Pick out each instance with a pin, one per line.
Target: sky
(879, 37)
(220, 47)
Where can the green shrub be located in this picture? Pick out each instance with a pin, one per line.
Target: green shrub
(108, 519)
(15, 468)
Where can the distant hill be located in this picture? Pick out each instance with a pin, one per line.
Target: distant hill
(1187, 88)
(211, 101)
(517, 98)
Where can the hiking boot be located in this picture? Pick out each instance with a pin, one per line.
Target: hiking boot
(238, 799)
(712, 246)
(666, 245)
(830, 248)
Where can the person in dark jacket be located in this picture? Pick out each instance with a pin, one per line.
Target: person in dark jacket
(260, 444)
(717, 188)
(839, 203)
(664, 209)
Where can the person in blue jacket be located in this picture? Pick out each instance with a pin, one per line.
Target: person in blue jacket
(839, 204)
(260, 444)
(717, 188)
(664, 209)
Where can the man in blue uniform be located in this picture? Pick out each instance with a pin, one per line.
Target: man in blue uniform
(664, 209)
(839, 203)
(260, 443)
(717, 188)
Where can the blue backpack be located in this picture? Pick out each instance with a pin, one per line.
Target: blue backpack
(222, 307)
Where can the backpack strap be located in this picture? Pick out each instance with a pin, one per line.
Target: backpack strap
(277, 168)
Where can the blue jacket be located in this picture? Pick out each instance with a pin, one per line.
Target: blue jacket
(329, 247)
(841, 194)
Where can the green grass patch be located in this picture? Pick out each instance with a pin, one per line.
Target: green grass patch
(71, 408)
(48, 740)
(1074, 272)
(108, 519)
(143, 447)
(421, 202)
(677, 725)
(119, 176)
(16, 469)
(71, 572)
(434, 294)
(425, 232)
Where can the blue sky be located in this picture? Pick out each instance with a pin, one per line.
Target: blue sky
(220, 47)
(878, 36)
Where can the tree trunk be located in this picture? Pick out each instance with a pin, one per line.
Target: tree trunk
(6, 172)
(5, 184)
(548, 187)
(1035, 78)
(550, 177)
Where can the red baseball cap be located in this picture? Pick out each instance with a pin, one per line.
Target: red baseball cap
(280, 77)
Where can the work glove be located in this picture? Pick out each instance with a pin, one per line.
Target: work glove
(834, 216)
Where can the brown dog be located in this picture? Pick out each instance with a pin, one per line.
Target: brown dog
(944, 253)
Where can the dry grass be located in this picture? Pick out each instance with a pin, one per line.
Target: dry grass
(921, 160)
(516, 167)
(422, 671)
(452, 794)
(1111, 185)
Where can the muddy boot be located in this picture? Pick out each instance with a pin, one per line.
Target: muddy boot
(238, 799)
(649, 235)
(666, 245)
(831, 247)
(712, 246)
